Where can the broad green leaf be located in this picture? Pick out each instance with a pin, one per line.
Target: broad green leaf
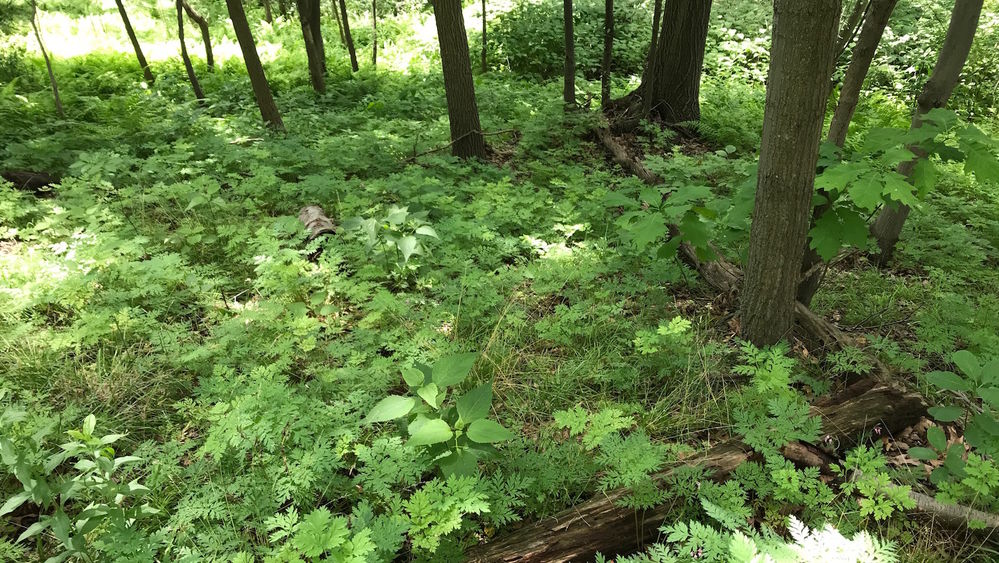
(696, 232)
(452, 370)
(990, 395)
(426, 431)
(936, 438)
(923, 454)
(967, 363)
(837, 178)
(982, 164)
(836, 228)
(485, 431)
(924, 177)
(947, 381)
(987, 423)
(461, 463)
(397, 215)
(897, 189)
(427, 231)
(475, 404)
(866, 191)
(648, 229)
(34, 529)
(946, 414)
(617, 199)
(954, 460)
(408, 245)
(89, 424)
(390, 408)
(14, 502)
(413, 376)
(429, 394)
(990, 372)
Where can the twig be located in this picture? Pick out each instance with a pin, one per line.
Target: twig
(451, 144)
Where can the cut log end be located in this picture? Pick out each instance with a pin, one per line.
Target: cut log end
(316, 221)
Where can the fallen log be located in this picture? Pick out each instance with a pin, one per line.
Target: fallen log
(316, 221)
(27, 180)
(600, 525)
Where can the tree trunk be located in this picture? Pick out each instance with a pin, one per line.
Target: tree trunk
(316, 24)
(268, 16)
(199, 94)
(311, 49)
(963, 23)
(569, 74)
(576, 534)
(852, 23)
(339, 24)
(804, 36)
(48, 64)
(605, 72)
(374, 33)
(657, 15)
(258, 80)
(485, 65)
(346, 34)
(146, 72)
(459, 88)
(283, 7)
(870, 36)
(672, 84)
(205, 36)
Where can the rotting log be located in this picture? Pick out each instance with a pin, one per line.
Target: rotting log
(316, 221)
(27, 180)
(600, 525)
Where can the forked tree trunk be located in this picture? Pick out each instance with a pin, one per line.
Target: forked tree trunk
(48, 64)
(459, 88)
(206, 37)
(804, 37)
(258, 80)
(963, 23)
(874, 25)
(311, 49)
(268, 16)
(346, 34)
(146, 72)
(374, 33)
(485, 65)
(195, 85)
(672, 84)
(605, 71)
(569, 74)
(851, 24)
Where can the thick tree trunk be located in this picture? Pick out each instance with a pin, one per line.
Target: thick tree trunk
(374, 33)
(605, 65)
(146, 72)
(963, 23)
(874, 25)
(601, 525)
(268, 16)
(48, 63)
(485, 63)
(804, 36)
(311, 49)
(672, 84)
(195, 85)
(206, 37)
(569, 42)
(346, 34)
(258, 80)
(459, 88)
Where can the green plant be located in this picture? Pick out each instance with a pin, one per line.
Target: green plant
(456, 433)
(865, 473)
(394, 239)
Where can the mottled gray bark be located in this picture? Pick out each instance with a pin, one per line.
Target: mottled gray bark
(672, 83)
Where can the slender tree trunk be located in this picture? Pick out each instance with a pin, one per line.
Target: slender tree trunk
(657, 15)
(48, 63)
(316, 25)
(206, 37)
(258, 80)
(853, 21)
(311, 49)
(870, 36)
(346, 33)
(339, 24)
(672, 85)
(374, 33)
(195, 85)
(283, 7)
(459, 88)
(485, 64)
(963, 23)
(268, 16)
(569, 74)
(605, 70)
(804, 38)
(146, 72)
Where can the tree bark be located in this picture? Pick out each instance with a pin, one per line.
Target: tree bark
(199, 94)
(311, 49)
(672, 84)
(485, 64)
(605, 70)
(657, 15)
(963, 23)
(258, 80)
(146, 72)
(852, 22)
(339, 24)
(346, 33)
(601, 525)
(804, 36)
(48, 63)
(459, 88)
(874, 25)
(569, 39)
(316, 25)
(374, 33)
(268, 16)
(206, 37)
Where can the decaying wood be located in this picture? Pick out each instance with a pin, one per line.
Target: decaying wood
(27, 180)
(953, 515)
(599, 525)
(316, 221)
